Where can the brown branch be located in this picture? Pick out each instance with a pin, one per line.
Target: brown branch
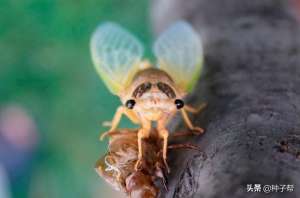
(252, 85)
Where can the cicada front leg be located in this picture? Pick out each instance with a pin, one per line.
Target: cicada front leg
(195, 110)
(164, 134)
(117, 118)
(144, 132)
(189, 123)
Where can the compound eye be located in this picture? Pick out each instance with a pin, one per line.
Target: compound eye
(130, 104)
(148, 85)
(179, 103)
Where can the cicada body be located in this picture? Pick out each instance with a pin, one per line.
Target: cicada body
(149, 93)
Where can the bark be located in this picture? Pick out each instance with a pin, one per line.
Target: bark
(251, 82)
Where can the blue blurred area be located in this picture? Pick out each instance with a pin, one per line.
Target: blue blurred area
(50, 95)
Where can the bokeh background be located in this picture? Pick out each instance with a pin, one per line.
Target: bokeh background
(52, 102)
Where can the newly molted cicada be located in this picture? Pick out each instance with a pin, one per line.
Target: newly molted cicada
(149, 93)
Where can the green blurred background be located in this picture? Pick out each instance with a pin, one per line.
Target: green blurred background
(46, 69)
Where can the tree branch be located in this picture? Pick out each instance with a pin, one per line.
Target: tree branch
(252, 85)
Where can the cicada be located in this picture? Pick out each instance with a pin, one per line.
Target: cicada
(149, 92)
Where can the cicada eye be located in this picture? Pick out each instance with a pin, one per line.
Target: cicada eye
(130, 104)
(148, 85)
(179, 103)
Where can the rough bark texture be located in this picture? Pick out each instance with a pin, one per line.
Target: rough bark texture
(252, 84)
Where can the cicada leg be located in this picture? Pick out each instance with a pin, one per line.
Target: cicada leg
(117, 118)
(184, 146)
(189, 123)
(195, 110)
(164, 134)
(144, 132)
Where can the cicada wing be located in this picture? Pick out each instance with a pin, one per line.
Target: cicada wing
(179, 53)
(116, 55)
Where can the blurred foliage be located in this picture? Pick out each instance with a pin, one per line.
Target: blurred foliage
(45, 66)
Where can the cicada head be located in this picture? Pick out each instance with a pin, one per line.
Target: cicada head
(152, 93)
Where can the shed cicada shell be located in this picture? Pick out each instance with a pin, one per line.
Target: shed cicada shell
(149, 93)
(117, 166)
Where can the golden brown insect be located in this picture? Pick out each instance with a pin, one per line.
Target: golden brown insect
(117, 166)
(149, 93)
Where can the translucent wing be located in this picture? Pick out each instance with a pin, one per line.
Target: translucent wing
(179, 52)
(116, 55)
